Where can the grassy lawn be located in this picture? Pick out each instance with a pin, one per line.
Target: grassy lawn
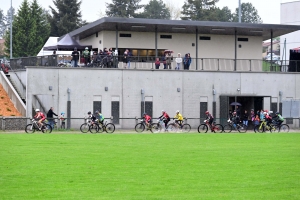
(150, 166)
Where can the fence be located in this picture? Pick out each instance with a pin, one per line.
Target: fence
(19, 123)
(201, 64)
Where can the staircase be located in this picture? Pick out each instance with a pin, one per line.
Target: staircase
(16, 88)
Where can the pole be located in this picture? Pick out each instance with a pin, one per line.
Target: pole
(240, 12)
(11, 16)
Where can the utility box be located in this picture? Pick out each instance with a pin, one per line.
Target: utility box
(291, 108)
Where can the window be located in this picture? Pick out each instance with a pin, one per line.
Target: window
(243, 39)
(97, 106)
(115, 111)
(125, 35)
(204, 37)
(166, 36)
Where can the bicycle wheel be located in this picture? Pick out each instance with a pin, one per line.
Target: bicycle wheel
(94, 128)
(140, 127)
(186, 128)
(259, 128)
(202, 128)
(172, 128)
(109, 128)
(84, 128)
(156, 127)
(30, 128)
(218, 128)
(284, 128)
(242, 128)
(227, 128)
(101, 128)
(46, 128)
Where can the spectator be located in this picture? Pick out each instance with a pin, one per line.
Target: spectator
(238, 111)
(105, 57)
(252, 115)
(95, 56)
(125, 58)
(62, 120)
(164, 60)
(129, 55)
(261, 115)
(189, 61)
(256, 120)
(157, 63)
(178, 61)
(54, 52)
(75, 57)
(50, 117)
(86, 55)
(169, 58)
(230, 114)
(245, 118)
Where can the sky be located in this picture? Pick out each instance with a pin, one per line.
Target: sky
(268, 10)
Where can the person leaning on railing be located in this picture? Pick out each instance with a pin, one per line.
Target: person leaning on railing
(75, 57)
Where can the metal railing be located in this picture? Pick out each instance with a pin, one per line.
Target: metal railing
(141, 62)
(19, 123)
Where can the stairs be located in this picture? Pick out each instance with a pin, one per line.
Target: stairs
(14, 85)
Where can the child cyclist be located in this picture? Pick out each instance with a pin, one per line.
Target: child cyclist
(178, 119)
(99, 117)
(147, 120)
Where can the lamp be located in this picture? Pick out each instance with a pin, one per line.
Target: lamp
(50, 87)
(178, 89)
(68, 90)
(106, 88)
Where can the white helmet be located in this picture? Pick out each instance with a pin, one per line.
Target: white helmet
(265, 113)
(177, 111)
(86, 48)
(37, 110)
(162, 111)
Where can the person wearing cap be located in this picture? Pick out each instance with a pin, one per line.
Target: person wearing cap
(178, 118)
(40, 117)
(86, 55)
(91, 116)
(75, 57)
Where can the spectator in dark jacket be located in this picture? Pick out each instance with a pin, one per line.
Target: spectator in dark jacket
(245, 118)
(50, 117)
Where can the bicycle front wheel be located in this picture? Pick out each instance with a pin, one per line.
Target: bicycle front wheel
(94, 128)
(227, 128)
(186, 128)
(218, 128)
(259, 128)
(171, 128)
(156, 127)
(30, 128)
(84, 128)
(202, 128)
(140, 127)
(110, 128)
(284, 128)
(46, 128)
(242, 128)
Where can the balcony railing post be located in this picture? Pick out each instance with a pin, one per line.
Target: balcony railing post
(250, 65)
(218, 64)
(202, 63)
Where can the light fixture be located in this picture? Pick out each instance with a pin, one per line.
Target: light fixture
(142, 91)
(106, 88)
(256, 31)
(238, 89)
(50, 87)
(218, 29)
(178, 89)
(280, 93)
(138, 26)
(178, 28)
(214, 92)
(68, 90)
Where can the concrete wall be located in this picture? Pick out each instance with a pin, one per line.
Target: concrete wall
(86, 85)
(14, 97)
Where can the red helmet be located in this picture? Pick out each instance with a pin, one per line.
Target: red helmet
(206, 112)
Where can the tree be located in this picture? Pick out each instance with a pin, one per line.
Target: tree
(198, 9)
(249, 14)
(5, 21)
(156, 9)
(175, 11)
(27, 41)
(66, 17)
(123, 8)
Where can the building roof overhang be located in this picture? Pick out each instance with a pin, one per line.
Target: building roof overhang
(183, 26)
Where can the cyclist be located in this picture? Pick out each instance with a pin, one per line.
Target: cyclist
(235, 119)
(91, 116)
(40, 117)
(267, 118)
(147, 119)
(209, 118)
(178, 119)
(165, 118)
(99, 117)
(278, 119)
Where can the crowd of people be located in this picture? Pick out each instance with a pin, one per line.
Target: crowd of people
(167, 60)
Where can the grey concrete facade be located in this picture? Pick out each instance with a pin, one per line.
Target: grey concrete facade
(168, 90)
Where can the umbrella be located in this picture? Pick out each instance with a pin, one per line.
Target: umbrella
(169, 51)
(235, 104)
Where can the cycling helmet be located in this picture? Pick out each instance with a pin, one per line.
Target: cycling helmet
(206, 112)
(163, 111)
(89, 113)
(62, 113)
(277, 113)
(265, 113)
(86, 48)
(145, 114)
(97, 112)
(177, 111)
(37, 110)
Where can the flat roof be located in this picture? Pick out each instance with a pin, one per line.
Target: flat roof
(182, 26)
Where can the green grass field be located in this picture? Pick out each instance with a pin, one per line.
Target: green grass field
(150, 166)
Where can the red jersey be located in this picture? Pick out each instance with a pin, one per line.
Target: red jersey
(165, 115)
(40, 116)
(147, 118)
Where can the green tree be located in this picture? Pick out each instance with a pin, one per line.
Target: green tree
(123, 8)
(5, 21)
(198, 9)
(156, 9)
(249, 14)
(66, 17)
(27, 41)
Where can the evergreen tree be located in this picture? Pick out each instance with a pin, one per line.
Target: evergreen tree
(249, 14)
(66, 17)
(198, 9)
(123, 8)
(155, 9)
(5, 21)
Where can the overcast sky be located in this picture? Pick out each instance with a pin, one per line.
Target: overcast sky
(268, 10)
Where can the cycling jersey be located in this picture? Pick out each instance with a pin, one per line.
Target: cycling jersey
(40, 116)
(178, 117)
(209, 116)
(147, 118)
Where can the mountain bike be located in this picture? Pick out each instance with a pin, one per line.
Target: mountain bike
(107, 127)
(242, 128)
(174, 126)
(140, 127)
(263, 127)
(281, 128)
(34, 126)
(89, 125)
(216, 128)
